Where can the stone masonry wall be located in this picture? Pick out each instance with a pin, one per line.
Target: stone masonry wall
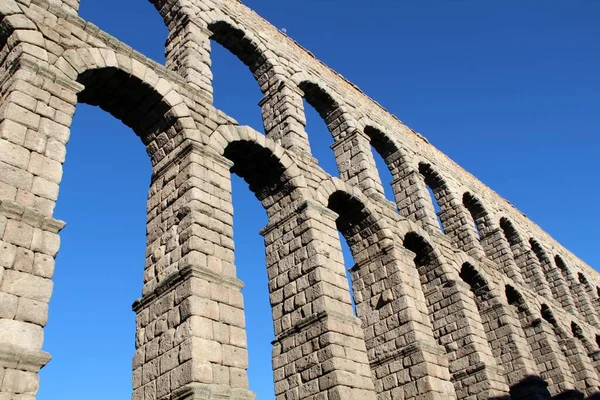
(479, 303)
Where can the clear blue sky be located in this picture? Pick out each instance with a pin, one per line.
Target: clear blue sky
(510, 90)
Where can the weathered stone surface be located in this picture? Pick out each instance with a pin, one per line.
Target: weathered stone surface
(472, 303)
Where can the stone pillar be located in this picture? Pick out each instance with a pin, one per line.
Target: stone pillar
(356, 163)
(319, 348)
(497, 249)
(188, 52)
(531, 267)
(29, 244)
(556, 281)
(284, 119)
(586, 378)
(466, 237)
(405, 359)
(510, 348)
(414, 201)
(589, 292)
(582, 301)
(548, 356)
(458, 327)
(191, 342)
(34, 128)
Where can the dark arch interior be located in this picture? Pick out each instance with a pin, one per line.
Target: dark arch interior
(582, 279)
(432, 178)
(577, 331)
(5, 31)
(512, 296)
(418, 245)
(236, 42)
(321, 101)
(548, 315)
(382, 144)
(260, 168)
(560, 263)
(127, 98)
(477, 212)
(473, 278)
(509, 231)
(435, 185)
(353, 217)
(538, 250)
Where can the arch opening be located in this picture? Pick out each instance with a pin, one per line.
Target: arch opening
(322, 119)
(353, 224)
(436, 187)
(236, 41)
(388, 160)
(258, 174)
(478, 214)
(103, 196)
(127, 98)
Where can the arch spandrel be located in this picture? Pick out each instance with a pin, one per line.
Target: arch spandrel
(150, 104)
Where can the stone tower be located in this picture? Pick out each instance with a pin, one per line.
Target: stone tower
(481, 304)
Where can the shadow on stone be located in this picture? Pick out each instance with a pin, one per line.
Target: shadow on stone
(536, 388)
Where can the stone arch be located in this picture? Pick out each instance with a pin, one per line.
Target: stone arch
(133, 93)
(225, 135)
(481, 219)
(503, 332)
(383, 290)
(330, 110)
(555, 279)
(350, 146)
(526, 262)
(550, 361)
(243, 45)
(442, 196)
(591, 351)
(592, 295)
(191, 27)
(362, 228)
(393, 156)
(580, 296)
(485, 238)
(586, 379)
(295, 224)
(457, 325)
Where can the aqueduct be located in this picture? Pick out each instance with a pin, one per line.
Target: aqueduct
(476, 302)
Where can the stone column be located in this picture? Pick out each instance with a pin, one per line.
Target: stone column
(355, 162)
(510, 348)
(405, 359)
(531, 267)
(548, 356)
(458, 327)
(191, 342)
(556, 281)
(34, 128)
(414, 201)
(283, 117)
(319, 347)
(497, 249)
(584, 373)
(188, 52)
